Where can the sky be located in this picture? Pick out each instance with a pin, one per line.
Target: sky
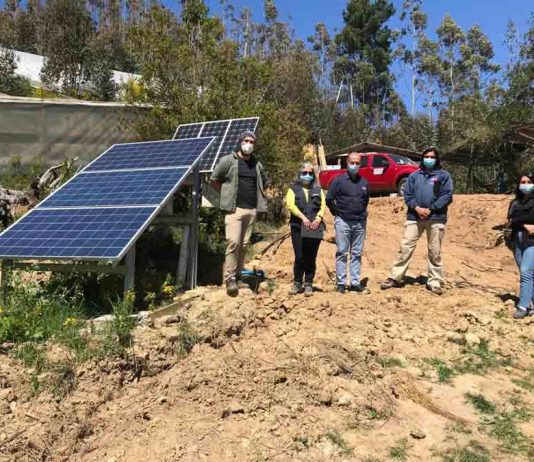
(491, 15)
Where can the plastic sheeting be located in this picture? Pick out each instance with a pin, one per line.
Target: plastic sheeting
(53, 131)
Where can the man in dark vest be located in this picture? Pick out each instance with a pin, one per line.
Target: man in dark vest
(347, 199)
(240, 180)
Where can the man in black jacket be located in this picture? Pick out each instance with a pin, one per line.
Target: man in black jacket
(347, 199)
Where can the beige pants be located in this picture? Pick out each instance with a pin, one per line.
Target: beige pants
(412, 233)
(238, 229)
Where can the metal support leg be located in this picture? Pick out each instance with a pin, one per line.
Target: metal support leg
(129, 262)
(183, 260)
(193, 267)
(4, 280)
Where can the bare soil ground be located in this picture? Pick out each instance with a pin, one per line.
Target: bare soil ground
(385, 376)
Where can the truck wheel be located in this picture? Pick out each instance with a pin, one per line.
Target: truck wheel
(401, 185)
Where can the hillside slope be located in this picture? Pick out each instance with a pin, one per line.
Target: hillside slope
(395, 375)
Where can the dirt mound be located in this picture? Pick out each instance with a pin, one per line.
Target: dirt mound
(401, 374)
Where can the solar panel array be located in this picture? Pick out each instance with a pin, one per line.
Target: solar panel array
(99, 213)
(225, 132)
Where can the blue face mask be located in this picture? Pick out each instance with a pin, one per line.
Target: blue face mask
(526, 188)
(353, 169)
(429, 162)
(306, 178)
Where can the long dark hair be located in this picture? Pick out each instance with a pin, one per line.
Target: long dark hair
(518, 194)
(438, 159)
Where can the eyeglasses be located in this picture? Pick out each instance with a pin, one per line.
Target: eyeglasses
(246, 140)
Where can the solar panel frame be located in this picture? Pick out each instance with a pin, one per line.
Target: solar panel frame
(207, 166)
(87, 258)
(78, 192)
(90, 167)
(137, 234)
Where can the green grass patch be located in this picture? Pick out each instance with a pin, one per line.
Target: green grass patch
(526, 383)
(36, 320)
(187, 339)
(479, 359)
(474, 452)
(335, 438)
(480, 403)
(400, 450)
(445, 372)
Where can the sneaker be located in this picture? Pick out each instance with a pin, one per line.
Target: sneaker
(360, 289)
(231, 288)
(308, 289)
(389, 283)
(296, 288)
(435, 289)
(340, 288)
(520, 313)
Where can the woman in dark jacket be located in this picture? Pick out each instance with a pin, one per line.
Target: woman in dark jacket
(521, 216)
(305, 200)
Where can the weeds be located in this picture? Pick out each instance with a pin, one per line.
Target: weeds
(445, 373)
(502, 426)
(400, 451)
(474, 452)
(480, 403)
(123, 322)
(35, 319)
(479, 359)
(187, 339)
(336, 439)
(387, 361)
(527, 383)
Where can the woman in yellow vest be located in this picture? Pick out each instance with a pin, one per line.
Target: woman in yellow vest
(305, 200)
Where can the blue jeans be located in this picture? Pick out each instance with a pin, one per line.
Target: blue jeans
(349, 239)
(524, 257)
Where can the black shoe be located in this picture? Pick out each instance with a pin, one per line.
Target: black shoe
(360, 289)
(341, 288)
(389, 283)
(231, 288)
(296, 288)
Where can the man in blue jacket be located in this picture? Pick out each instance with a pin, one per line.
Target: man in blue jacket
(428, 194)
(347, 199)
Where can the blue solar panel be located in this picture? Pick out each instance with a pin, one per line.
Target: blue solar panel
(188, 131)
(90, 234)
(177, 153)
(144, 187)
(93, 216)
(225, 132)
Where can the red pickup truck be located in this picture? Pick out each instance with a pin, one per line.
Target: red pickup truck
(386, 173)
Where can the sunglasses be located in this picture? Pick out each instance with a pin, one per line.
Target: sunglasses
(249, 141)
(306, 173)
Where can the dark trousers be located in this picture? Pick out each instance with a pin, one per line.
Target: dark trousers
(305, 255)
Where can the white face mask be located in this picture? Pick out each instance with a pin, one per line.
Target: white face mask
(247, 148)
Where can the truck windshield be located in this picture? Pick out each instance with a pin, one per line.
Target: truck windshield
(402, 160)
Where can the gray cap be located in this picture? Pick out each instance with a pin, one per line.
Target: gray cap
(246, 133)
